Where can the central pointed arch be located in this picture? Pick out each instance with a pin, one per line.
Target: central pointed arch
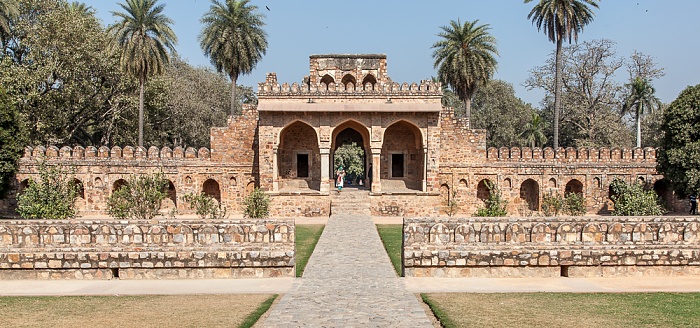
(349, 132)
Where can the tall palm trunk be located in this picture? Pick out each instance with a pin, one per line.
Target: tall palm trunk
(142, 82)
(557, 92)
(233, 95)
(468, 108)
(639, 127)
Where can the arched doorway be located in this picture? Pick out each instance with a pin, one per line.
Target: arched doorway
(530, 194)
(574, 186)
(402, 158)
(298, 158)
(350, 148)
(211, 187)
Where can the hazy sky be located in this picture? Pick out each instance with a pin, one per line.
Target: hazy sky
(405, 31)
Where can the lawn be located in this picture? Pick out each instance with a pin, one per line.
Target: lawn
(134, 311)
(307, 236)
(566, 309)
(391, 235)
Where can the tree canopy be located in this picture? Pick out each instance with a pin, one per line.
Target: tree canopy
(679, 157)
(464, 57)
(234, 39)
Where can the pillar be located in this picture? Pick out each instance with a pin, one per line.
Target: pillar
(325, 170)
(376, 169)
(275, 171)
(425, 169)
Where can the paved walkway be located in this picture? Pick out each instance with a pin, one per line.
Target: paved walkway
(348, 282)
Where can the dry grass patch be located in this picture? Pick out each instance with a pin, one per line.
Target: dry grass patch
(566, 310)
(129, 311)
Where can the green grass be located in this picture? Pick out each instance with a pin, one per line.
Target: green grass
(391, 235)
(307, 236)
(565, 309)
(253, 317)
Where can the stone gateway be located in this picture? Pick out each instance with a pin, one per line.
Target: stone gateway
(421, 155)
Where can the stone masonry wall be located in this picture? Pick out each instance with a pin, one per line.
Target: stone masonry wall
(158, 249)
(568, 246)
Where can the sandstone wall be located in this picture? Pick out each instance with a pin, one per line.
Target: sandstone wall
(159, 249)
(568, 246)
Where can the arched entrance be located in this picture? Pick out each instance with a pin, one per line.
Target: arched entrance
(350, 148)
(298, 158)
(402, 158)
(530, 195)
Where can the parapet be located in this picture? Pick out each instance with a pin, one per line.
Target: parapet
(574, 155)
(116, 153)
(426, 88)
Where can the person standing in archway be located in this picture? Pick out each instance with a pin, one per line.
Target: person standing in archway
(369, 177)
(693, 204)
(340, 178)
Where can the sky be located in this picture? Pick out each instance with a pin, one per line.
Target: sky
(405, 30)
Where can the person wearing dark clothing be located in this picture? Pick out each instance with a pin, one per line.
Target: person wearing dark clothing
(693, 204)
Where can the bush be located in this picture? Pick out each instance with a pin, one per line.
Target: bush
(256, 205)
(495, 205)
(206, 206)
(634, 200)
(573, 204)
(52, 196)
(452, 205)
(552, 204)
(139, 198)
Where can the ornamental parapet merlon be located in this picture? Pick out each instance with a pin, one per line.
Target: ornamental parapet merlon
(115, 153)
(573, 155)
(379, 89)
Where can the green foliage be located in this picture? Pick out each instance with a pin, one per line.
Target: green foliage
(494, 205)
(533, 133)
(254, 316)
(12, 140)
(632, 199)
(552, 204)
(451, 203)
(140, 198)
(52, 196)
(679, 158)
(256, 205)
(641, 96)
(501, 113)
(574, 205)
(206, 206)
(351, 158)
(234, 39)
(464, 58)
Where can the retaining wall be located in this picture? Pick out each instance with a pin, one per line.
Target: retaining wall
(546, 247)
(157, 249)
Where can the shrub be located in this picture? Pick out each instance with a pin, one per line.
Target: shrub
(573, 204)
(552, 204)
(52, 196)
(494, 205)
(256, 205)
(206, 206)
(634, 200)
(139, 198)
(452, 205)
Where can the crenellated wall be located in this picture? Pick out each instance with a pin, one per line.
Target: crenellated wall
(568, 246)
(157, 249)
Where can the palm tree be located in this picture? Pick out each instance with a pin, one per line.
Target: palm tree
(80, 7)
(560, 20)
(464, 57)
(233, 39)
(534, 132)
(144, 37)
(8, 10)
(641, 96)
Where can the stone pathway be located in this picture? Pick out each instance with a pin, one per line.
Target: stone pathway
(348, 282)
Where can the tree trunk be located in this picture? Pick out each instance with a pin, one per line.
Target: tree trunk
(639, 127)
(142, 83)
(233, 95)
(557, 92)
(468, 109)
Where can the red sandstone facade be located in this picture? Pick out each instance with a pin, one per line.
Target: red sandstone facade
(420, 153)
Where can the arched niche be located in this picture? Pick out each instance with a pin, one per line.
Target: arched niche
(298, 158)
(402, 157)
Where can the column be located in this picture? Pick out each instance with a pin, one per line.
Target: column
(425, 169)
(376, 177)
(275, 171)
(325, 170)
